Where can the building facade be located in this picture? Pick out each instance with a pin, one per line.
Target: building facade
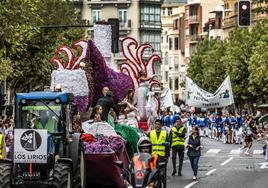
(197, 13)
(173, 68)
(139, 19)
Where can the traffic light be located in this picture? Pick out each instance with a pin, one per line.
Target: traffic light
(244, 13)
(114, 22)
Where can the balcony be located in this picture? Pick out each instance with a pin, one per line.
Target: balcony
(194, 38)
(125, 25)
(194, 19)
(230, 21)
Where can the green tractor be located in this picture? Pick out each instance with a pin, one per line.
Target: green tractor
(46, 151)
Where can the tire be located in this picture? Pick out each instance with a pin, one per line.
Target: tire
(5, 175)
(62, 176)
(80, 177)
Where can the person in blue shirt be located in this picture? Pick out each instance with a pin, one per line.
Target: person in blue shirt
(238, 128)
(219, 126)
(201, 124)
(207, 124)
(232, 122)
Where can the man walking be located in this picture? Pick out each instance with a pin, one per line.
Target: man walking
(177, 139)
(159, 142)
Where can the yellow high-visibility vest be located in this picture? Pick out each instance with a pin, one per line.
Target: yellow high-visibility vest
(177, 141)
(157, 144)
(2, 147)
(51, 125)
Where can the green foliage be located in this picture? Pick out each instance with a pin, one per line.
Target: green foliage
(258, 66)
(261, 6)
(30, 47)
(243, 56)
(206, 66)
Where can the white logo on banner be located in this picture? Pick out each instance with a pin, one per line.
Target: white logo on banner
(199, 98)
(30, 146)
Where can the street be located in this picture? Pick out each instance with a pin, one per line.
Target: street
(221, 166)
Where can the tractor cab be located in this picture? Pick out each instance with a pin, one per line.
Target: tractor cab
(45, 148)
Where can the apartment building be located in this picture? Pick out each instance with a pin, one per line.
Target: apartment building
(173, 68)
(140, 19)
(197, 12)
(230, 15)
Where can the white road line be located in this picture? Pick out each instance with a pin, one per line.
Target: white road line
(257, 152)
(191, 184)
(235, 151)
(213, 151)
(210, 172)
(227, 161)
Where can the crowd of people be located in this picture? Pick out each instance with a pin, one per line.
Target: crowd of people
(6, 136)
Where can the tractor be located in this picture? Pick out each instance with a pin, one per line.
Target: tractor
(46, 151)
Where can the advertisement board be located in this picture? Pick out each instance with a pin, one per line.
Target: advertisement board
(30, 146)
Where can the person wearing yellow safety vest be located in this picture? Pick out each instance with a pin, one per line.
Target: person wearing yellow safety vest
(2, 146)
(48, 123)
(159, 139)
(177, 140)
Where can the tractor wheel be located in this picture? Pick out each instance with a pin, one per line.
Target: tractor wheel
(79, 178)
(62, 177)
(5, 175)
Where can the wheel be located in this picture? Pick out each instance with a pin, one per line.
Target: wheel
(5, 175)
(79, 178)
(62, 176)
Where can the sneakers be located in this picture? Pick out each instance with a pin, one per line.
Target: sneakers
(173, 173)
(179, 174)
(194, 178)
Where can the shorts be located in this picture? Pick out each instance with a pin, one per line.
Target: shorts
(248, 138)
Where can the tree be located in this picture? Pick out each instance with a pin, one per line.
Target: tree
(30, 47)
(258, 64)
(261, 6)
(206, 65)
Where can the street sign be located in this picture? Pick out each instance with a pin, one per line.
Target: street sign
(30, 146)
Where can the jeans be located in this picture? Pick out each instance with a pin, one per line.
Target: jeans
(180, 153)
(194, 163)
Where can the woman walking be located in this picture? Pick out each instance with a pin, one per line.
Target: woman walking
(193, 143)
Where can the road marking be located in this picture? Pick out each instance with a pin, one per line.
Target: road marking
(227, 161)
(235, 151)
(191, 184)
(213, 151)
(257, 152)
(264, 165)
(210, 172)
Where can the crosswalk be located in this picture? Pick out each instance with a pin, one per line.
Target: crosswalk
(232, 152)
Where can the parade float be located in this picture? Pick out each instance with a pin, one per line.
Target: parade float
(85, 75)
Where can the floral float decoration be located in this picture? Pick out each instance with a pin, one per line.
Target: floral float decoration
(134, 54)
(70, 75)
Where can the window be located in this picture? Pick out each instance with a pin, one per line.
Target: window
(235, 7)
(170, 44)
(96, 15)
(170, 83)
(176, 67)
(176, 43)
(175, 24)
(169, 11)
(167, 39)
(151, 15)
(166, 76)
(122, 15)
(163, 11)
(176, 83)
(152, 37)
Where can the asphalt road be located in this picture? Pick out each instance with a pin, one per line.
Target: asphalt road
(221, 166)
